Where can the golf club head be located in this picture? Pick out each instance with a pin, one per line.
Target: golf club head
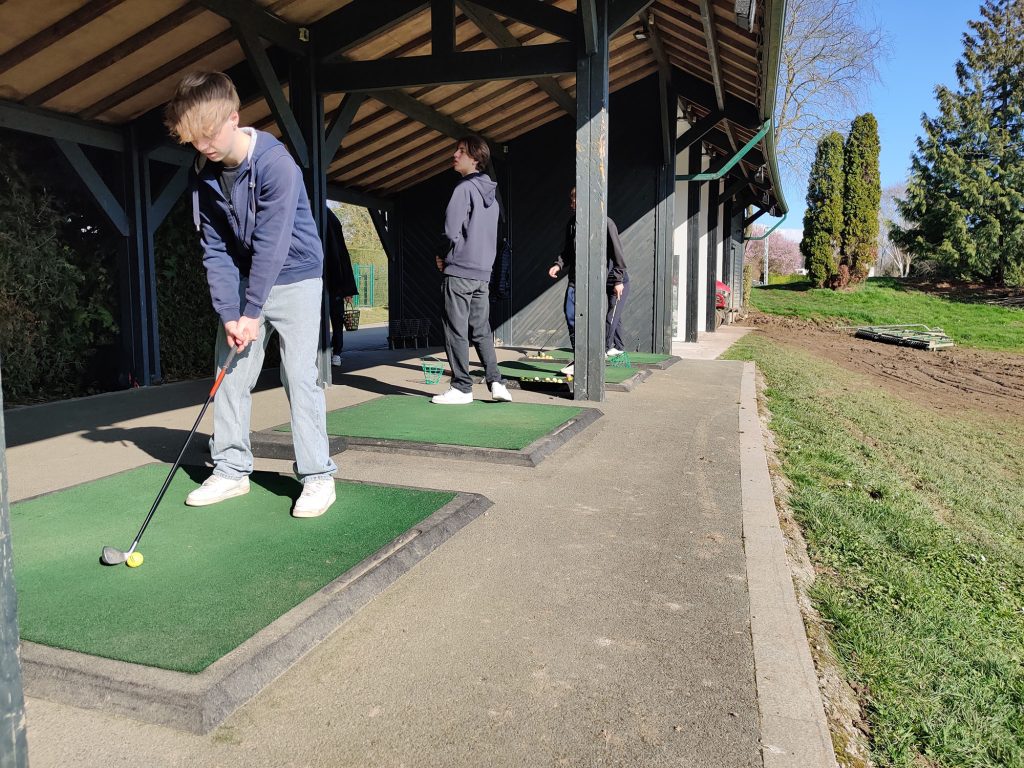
(113, 556)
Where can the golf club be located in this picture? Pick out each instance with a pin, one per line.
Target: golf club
(114, 556)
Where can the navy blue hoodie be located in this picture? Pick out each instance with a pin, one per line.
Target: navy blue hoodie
(471, 226)
(266, 232)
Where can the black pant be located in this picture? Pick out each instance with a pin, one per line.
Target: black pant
(466, 318)
(613, 320)
(336, 306)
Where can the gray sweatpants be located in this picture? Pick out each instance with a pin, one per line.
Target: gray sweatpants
(466, 318)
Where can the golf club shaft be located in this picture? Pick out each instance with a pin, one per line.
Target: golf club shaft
(177, 463)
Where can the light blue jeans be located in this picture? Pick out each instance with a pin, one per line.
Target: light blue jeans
(294, 312)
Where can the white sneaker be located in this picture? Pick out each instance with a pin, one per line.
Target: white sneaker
(335, 359)
(613, 352)
(499, 392)
(453, 397)
(569, 370)
(217, 488)
(317, 496)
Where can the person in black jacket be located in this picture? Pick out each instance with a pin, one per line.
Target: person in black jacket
(616, 285)
(341, 282)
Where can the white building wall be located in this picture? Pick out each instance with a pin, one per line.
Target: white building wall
(705, 248)
(679, 245)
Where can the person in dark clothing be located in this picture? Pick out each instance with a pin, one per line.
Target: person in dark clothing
(471, 232)
(616, 285)
(264, 267)
(341, 282)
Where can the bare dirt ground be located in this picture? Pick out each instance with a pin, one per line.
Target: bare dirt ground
(949, 380)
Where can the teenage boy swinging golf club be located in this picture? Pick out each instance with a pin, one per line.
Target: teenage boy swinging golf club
(264, 263)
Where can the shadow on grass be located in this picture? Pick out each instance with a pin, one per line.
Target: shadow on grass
(803, 285)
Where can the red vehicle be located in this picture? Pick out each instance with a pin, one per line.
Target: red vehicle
(722, 292)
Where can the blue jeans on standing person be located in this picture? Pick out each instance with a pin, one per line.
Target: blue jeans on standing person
(570, 313)
(293, 311)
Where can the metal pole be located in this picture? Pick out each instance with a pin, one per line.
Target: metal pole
(13, 744)
(767, 240)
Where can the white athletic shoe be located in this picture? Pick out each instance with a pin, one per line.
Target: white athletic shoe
(335, 360)
(217, 488)
(569, 370)
(317, 496)
(613, 352)
(453, 397)
(499, 392)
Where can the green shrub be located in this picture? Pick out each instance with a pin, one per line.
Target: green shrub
(188, 324)
(56, 302)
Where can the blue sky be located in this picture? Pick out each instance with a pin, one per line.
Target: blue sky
(924, 45)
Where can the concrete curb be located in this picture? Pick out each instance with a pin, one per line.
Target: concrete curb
(200, 702)
(794, 731)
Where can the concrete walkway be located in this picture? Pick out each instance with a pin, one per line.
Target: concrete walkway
(626, 603)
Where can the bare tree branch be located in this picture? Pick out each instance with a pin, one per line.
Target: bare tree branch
(829, 58)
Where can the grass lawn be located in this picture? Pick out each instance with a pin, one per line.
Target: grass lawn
(886, 301)
(915, 523)
(368, 315)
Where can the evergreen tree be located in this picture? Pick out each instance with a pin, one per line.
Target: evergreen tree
(965, 199)
(823, 219)
(861, 198)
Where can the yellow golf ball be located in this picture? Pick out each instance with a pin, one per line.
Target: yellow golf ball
(134, 560)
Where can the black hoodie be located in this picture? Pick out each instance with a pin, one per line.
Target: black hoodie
(566, 260)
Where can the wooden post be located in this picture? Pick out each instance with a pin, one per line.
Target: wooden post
(591, 207)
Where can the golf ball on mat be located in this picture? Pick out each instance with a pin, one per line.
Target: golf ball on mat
(134, 560)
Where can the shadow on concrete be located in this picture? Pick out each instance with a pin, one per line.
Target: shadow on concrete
(162, 443)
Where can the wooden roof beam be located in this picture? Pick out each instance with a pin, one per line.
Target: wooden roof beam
(462, 67)
(701, 92)
(270, 85)
(712, 46)
(442, 27)
(56, 31)
(162, 72)
(546, 17)
(357, 22)
(620, 12)
(43, 122)
(421, 113)
(113, 55)
(340, 124)
(262, 22)
(711, 39)
(500, 36)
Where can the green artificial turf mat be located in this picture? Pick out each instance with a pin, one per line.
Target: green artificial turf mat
(213, 576)
(480, 424)
(542, 371)
(565, 354)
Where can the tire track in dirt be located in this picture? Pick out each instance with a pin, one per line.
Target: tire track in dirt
(946, 380)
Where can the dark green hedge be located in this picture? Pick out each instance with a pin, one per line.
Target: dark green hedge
(187, 322)
(57, 286)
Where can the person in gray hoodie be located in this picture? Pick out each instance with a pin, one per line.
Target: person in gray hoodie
(471, 232)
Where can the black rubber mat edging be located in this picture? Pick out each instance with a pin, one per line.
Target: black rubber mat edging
(270, 444)
(200, 702)
(628, 385)
(660, 365)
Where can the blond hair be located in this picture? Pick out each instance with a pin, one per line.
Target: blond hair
(201, 104)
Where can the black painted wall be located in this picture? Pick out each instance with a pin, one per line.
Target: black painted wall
(535, 173)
